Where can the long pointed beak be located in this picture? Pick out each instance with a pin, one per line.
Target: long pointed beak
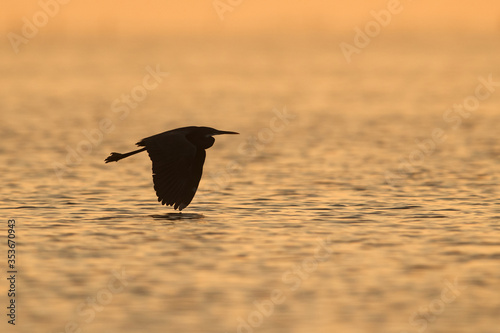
(224, 132)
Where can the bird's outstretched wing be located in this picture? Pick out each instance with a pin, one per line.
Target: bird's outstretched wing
(176, 167)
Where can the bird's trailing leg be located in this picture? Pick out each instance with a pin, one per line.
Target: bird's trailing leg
(115, 157)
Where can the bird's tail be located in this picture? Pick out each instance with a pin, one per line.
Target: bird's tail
(115, 157)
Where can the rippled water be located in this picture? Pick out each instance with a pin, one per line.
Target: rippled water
(368, 208)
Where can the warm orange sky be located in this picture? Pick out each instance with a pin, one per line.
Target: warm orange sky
(249, 15)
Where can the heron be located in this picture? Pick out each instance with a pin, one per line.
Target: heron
(178, 156)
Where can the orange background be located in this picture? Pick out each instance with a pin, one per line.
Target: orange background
(251, 16)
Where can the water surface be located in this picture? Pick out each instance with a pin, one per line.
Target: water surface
(341, 217)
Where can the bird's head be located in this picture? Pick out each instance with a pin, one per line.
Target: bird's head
(203, 136)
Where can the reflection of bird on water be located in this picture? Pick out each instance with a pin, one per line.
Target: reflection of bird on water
(178, 156)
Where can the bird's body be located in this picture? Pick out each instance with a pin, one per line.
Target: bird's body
(178, 156)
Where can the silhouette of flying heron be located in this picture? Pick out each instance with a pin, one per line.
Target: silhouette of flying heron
(178, 156)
